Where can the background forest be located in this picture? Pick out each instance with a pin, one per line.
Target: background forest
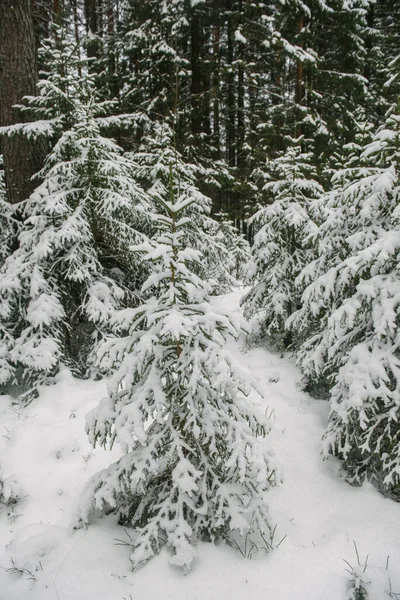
(156, 154)
(237, 80)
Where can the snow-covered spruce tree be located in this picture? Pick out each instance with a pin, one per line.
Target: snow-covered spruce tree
(155, 158)
(281, 247)
(238, 248)
(333, 213)
(344, 165)
(239, 252)
(65, 80)
(64, 70)
(359, 339)
(196, 465)
(72, 268)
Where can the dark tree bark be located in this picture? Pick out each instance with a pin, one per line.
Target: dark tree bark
(231, 100)
(58, 12)
(196, 87)
(42, 12)
(91, 16)
(92, 28)
(300, 91)
(299, 72)
(216, 91)
(241, 128)
(18, 77)
(112, 51)
(74, 5)
(201, 74)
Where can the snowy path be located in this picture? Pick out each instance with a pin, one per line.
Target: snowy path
(47, 452)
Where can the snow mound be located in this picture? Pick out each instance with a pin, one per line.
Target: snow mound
(321, 520)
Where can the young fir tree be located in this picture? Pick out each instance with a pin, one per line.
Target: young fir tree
(64, 71)
(281, 248)
(358, 339)
(364, 331)
(334, 214)
(238, 249)
(65, 80)
(196, 465)
(344, 165)
(155, 157)
(72, 268)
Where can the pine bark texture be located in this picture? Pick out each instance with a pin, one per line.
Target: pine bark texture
(18, 76)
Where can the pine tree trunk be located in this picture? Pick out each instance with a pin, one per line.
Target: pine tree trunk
(196, 87)
(57, 13)
(240, 127)
(231, 114)
(112, 59)
(300, 76)
(74, 4)
(58, 20)
(216, 91)
(92, 28)
(231, 104)
(41, 11)
(241, 133)
(18, 77)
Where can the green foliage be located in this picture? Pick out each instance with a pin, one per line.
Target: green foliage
(156, 157)
(349, 316)
(196, 466)
(281, 246)
(72, 267)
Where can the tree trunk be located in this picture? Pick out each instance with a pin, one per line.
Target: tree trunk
(240, 121)
(231, 101)
(230, 124)
(216, 91)
(300, 92)
(92, 28)
(41, 12)
(112, 59)
(241, 128)
(57, 13)
(18, 77)
(196, 87)
(74, 4)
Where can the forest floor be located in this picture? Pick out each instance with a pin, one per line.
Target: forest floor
(321, 521)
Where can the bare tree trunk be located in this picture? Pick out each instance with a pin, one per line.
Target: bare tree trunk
(231, 100)
(300, 91)
(57, 12)
(216, 91)
(76, 31)
(230, 124)
(18, 77)
(241, 128)
(112, 58)
(92, 28)
(91, 16)
(196, 87)
(41, 12)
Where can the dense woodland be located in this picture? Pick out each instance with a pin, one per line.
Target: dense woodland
(157, 152)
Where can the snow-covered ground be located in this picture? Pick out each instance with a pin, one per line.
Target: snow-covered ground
(321, 521)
